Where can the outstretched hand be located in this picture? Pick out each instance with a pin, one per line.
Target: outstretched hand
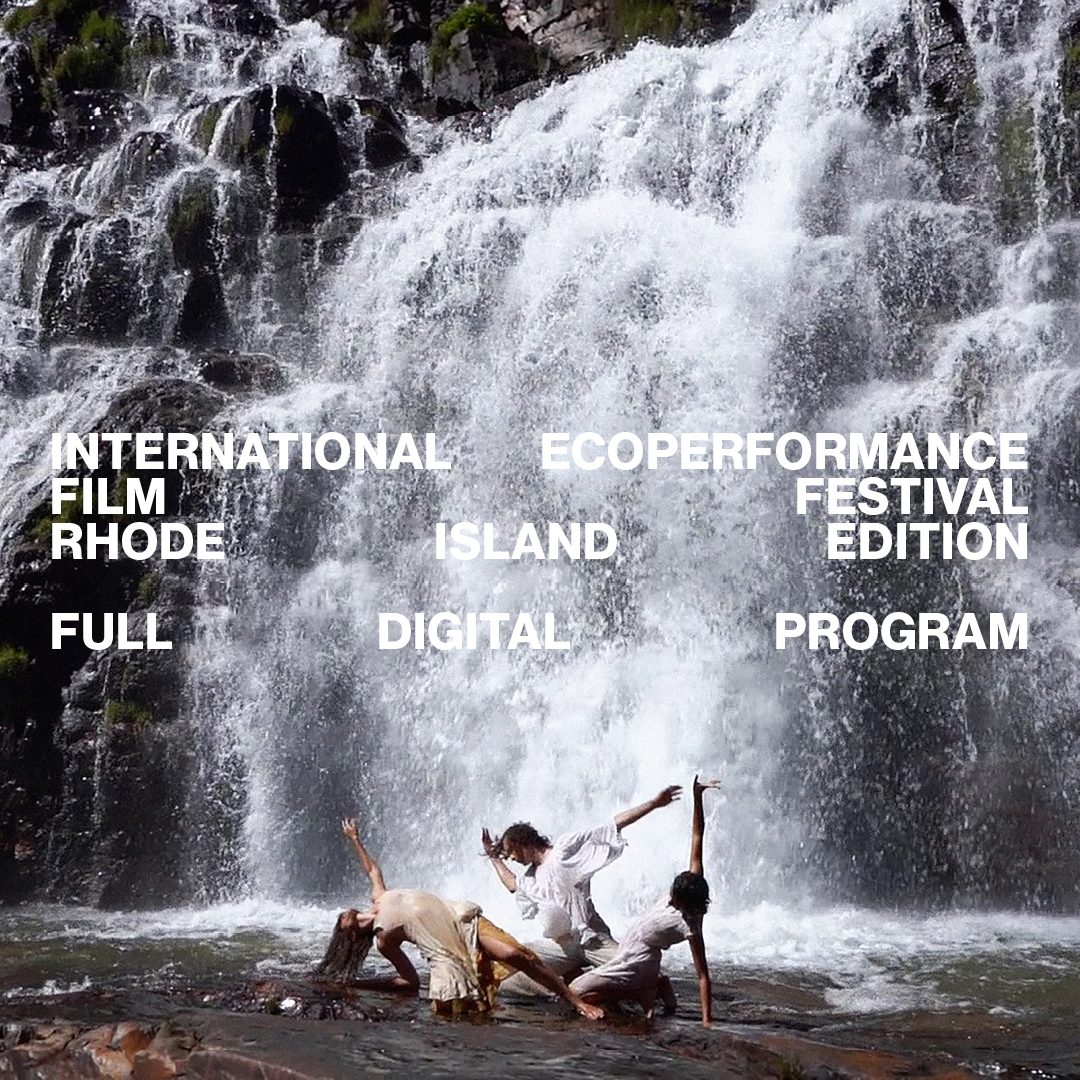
(350, 827)
(702, 785)
(492, 847)
(668, 795)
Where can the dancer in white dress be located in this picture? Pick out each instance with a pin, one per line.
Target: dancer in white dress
(634, 971)
(467, 956)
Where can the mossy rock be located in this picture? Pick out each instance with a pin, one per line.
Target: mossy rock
(127, 712)
(1017, 172)
(369, 23)
(191, 224)
(14, 662)
(471, 17)
(635, 20)
(151, 40)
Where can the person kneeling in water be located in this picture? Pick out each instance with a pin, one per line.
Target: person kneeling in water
(467, 956)
(634, 971)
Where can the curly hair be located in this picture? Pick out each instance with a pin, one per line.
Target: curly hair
(522, 834)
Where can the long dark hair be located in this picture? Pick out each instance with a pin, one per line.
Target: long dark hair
(348, 948)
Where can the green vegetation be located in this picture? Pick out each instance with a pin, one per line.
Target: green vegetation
(1016, 171)
(150, 43)
(127, 712)
(207, 125)
(468, 17)
(65, 15)
(791, 1070)
(1070, 77)
(636, 19)
(148, 587)
(368, 23)
(74, 44)
(14, 662)
(41, 530)
(97, 60)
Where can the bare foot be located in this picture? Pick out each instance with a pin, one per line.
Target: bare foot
(701, 785)
(590, 1012)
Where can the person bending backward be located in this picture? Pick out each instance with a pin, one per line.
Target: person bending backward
(467, 956)
(633, 973)
(554, 886)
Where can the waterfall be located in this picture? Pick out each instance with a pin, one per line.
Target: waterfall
(843, 217)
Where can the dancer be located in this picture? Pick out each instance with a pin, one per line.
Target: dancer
(554, 885)
(467, 955)
(634, 971)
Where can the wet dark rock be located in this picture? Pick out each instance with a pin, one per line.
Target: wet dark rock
(92, 287)
(243, 371)
(204, 316)
(145, 157)
(928, 264)
(70, 776)
(926, 70)
(191, 222)
(1062, 140)
(285, 135)
(824, 338)
(1010, 24)
(26, 213)
(408, 21)
(151, 39)
(384, 134)
(478, 66)
(19, 372)
(1052, 264)
(23, 119)
(951, 90)
(93, 118)
(273, 1029)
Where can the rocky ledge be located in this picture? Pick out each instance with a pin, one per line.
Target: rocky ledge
(341, 1038)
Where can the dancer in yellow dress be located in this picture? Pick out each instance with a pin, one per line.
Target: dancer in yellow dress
(467, 956)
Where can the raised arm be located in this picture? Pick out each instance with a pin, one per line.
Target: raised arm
(701, 966)
(697, 841)
(492, 850)
(350, 827)
(665, 798)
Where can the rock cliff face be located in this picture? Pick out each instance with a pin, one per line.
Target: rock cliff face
(166, 182)
(175, 187)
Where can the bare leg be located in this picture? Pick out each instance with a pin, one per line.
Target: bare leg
(697, 842)
(516, 957)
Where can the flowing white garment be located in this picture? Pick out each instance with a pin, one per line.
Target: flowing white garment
(636, 965)
(445, 932)
(558, 889)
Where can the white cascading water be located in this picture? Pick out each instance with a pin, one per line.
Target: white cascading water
(626, 252)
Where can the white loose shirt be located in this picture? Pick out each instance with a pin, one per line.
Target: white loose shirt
(557, 890)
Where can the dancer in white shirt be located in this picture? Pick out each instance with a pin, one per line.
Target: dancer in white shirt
(554, 885)
(633, 973)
